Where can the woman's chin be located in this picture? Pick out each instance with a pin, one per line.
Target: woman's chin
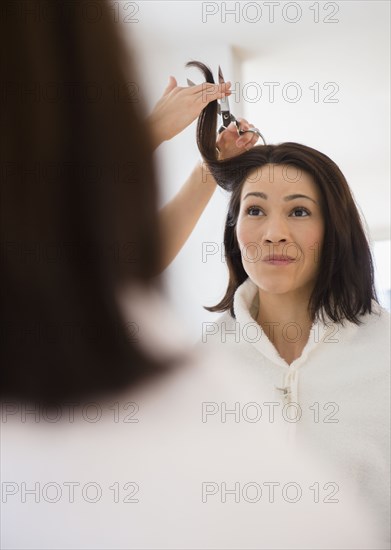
(273, 284)
(278, 285)
(272, 287)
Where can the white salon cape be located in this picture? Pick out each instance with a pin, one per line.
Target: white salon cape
(333, 400)
(167, 467)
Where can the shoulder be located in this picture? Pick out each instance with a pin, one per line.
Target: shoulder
(375, 325)
(242, 306)
(366, 344)
(213, 329)
(372, 327)
(225, 319)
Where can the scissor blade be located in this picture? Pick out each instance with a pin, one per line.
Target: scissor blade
(221, 78)
(224, 104)
(190, 82)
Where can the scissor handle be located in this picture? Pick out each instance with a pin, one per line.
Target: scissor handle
(227, 122)
(241, 132)
(227, 118)
(253, 131)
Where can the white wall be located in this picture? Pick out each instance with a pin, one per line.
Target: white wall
(252, 46)
(351, 125)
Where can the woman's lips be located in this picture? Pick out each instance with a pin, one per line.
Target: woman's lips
(278, 260)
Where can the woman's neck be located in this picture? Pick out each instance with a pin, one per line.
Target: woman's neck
(285, 320)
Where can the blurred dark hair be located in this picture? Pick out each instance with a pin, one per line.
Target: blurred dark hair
(78, 206)
(345, 285)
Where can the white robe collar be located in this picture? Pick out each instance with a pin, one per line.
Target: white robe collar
(246, 308)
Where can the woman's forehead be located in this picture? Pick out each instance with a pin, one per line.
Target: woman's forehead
(279, 178)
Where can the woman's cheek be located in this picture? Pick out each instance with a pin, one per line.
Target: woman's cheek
(314, 252)
(249, 249)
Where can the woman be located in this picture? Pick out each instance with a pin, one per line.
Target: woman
(103, 440)
(301, 314)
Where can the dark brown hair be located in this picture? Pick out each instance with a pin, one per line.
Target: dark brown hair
(79, 204)
(345, 285)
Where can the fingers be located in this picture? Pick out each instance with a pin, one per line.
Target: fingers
(230, 145)
(253, 142)
(232, 128)
(208, 92)
(244, 124)
(248, 139)
(172, 83)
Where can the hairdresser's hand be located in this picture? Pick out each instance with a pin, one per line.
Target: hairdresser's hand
(179, 107)
(230, 144)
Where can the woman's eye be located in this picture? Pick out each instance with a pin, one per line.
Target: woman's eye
(254, 211)
(300, 212)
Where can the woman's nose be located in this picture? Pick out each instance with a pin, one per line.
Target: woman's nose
(275, 230)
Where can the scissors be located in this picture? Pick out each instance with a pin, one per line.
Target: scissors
(226, 115)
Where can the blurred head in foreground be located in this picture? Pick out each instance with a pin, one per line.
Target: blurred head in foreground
(79, 204)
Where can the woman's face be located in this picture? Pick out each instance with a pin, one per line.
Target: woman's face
(280, 229)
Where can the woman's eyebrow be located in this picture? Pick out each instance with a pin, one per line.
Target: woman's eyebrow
(287, 198)
(298, 196)
(256, 194)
